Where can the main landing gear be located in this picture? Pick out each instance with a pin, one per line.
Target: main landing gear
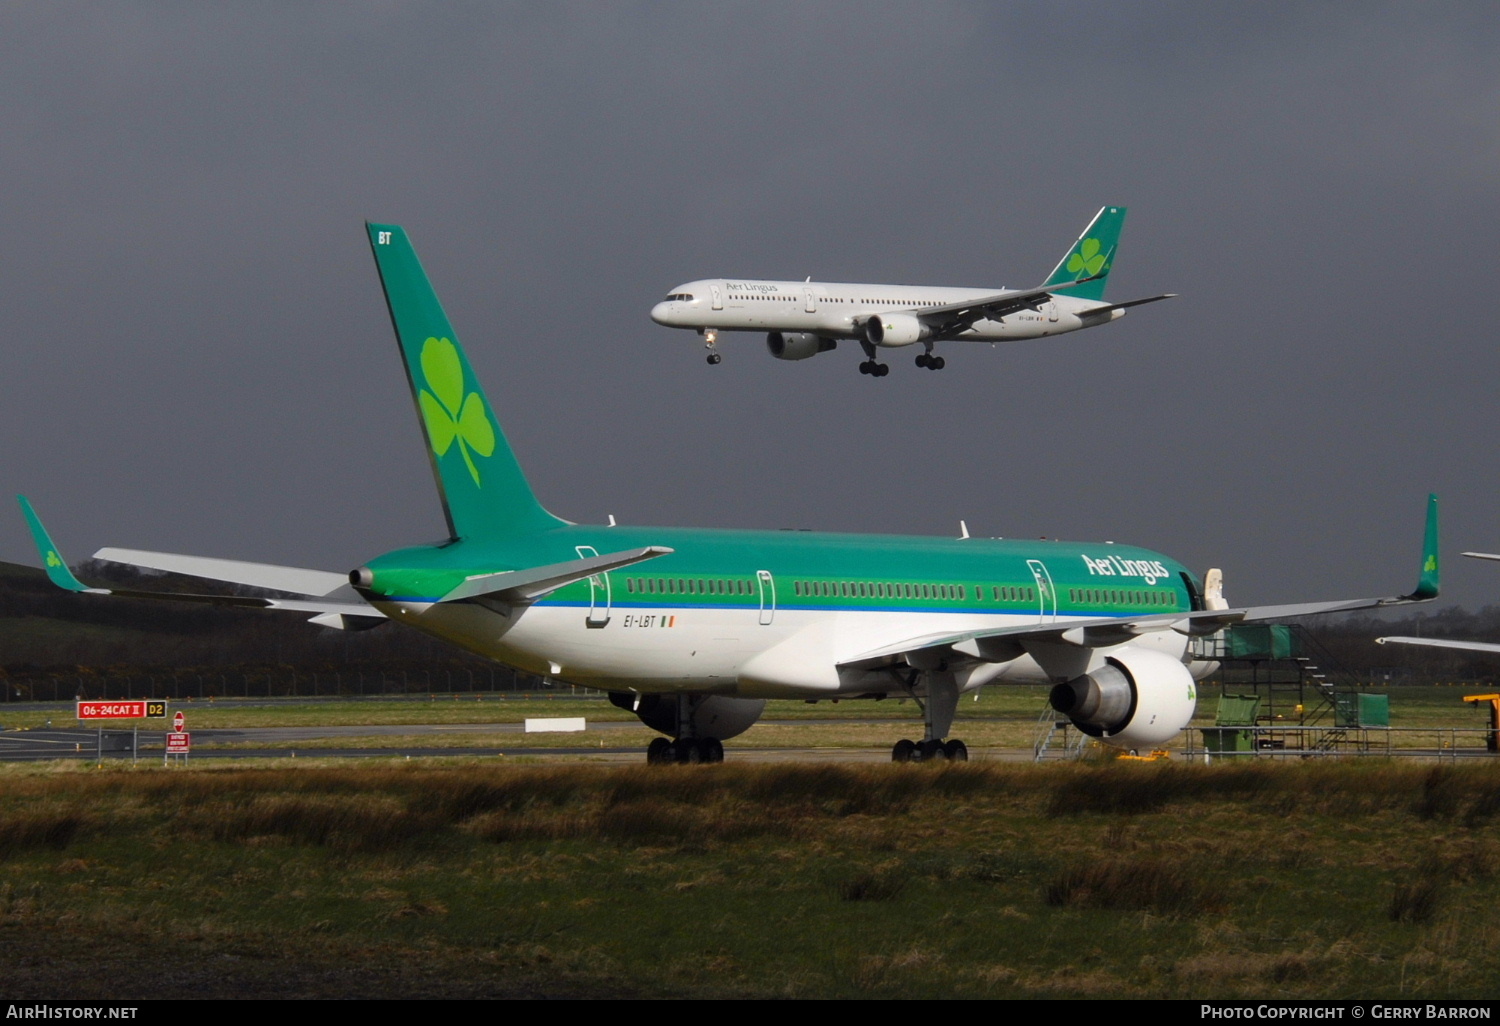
(872, 366)
(931, 362)
(710, 340)
(662, 752)
(937, 720)
(953, 750)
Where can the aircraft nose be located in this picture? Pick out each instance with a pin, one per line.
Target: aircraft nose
(661, 313)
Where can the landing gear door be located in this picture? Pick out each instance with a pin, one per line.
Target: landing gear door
(767, 595)
(1046, 595)
(599, 594)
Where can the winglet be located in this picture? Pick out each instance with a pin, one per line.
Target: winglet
(1429, 583)
(52, 562)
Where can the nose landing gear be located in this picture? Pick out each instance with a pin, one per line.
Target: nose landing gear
(710, 341)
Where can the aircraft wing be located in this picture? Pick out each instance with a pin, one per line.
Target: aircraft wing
(1001, 644)
(259, 575)
(1465, 646)
(1468, 646)
(315, 590)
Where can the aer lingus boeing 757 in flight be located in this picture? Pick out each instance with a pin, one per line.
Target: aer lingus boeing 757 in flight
(693, 629)
(805, 318)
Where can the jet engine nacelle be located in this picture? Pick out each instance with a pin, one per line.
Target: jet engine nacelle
(797, 345)
(897, 329)
(710, 715)
(1137, 699)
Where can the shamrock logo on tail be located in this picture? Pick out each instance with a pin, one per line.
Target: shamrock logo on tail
(449, 413)
(52, 559)
(1430, 565)
(1087, 258)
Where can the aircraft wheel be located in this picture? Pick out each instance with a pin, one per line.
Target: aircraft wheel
(936, 363)
(686, 750)
(659, 751)
(931, 750)
(881, 370)
(923, 359)
(956, 751)
(715, 359)
(713, 749)
(864, 368)
(903, 751)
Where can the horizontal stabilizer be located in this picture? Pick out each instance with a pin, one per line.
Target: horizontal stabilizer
(530, 585)
(1126, 306)
(1482, 555)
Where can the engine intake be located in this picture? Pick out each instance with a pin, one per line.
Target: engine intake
(896, 329)
(1138, 698)
(798, 345)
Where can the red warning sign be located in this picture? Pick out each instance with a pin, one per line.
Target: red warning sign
(178, 743)
(128, 710)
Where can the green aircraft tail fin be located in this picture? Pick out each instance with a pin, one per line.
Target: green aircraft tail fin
(1091, 256)
(52, 560)
(484, 493)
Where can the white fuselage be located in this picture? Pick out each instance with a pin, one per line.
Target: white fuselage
(769, 653)
(838, 310)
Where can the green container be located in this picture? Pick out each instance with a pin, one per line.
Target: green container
(1234, 711)
(1237, 711)
(1356, 709)
(1260, 641)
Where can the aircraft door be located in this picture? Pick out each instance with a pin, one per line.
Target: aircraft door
(718, 297)
(599, 590)
(1046, 595)
(811, 304)
(767, 595)
(1052, 311)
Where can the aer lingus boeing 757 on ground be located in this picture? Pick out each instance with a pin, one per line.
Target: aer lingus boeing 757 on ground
(694, 628)
(805, 318)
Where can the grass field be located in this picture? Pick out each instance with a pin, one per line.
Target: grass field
(465, 878)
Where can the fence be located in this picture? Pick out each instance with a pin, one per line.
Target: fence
(1311, 741)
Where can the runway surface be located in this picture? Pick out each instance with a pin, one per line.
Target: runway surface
(621, 742)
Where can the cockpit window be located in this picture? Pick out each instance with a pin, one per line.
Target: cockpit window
(680, 297)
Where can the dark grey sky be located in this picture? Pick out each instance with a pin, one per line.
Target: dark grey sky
(199, 360)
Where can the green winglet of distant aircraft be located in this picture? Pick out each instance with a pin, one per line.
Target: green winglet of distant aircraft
(693, 629)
